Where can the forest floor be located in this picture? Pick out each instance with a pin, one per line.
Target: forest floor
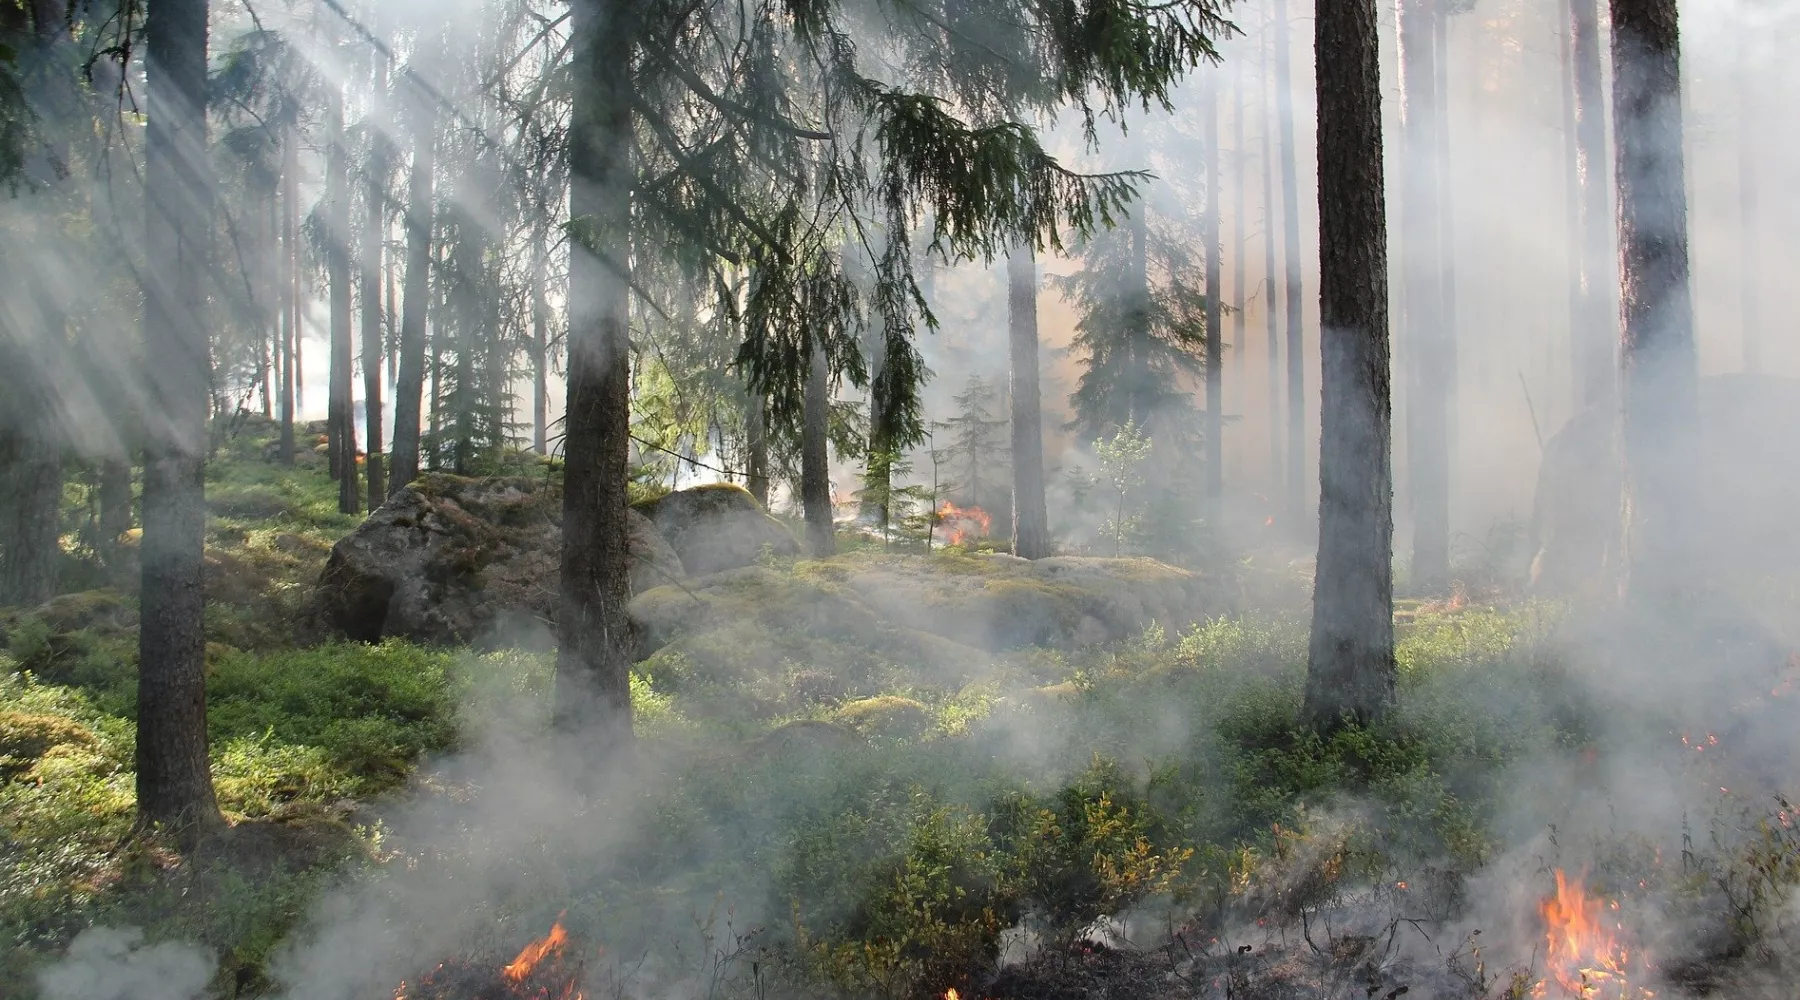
(856, 817)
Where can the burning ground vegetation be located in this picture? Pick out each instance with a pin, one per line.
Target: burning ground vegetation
(1152, 826)
(825, 804)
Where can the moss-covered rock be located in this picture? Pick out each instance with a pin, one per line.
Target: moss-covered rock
(716, 527)
(889, 716)
(450, 559)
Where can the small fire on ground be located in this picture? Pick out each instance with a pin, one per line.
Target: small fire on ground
(544, 970)
(1586, 954)
(963, 523)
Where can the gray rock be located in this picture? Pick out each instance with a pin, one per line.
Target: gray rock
(450, 560)
(717, 527)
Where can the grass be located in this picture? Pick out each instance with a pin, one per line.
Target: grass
(880, 816)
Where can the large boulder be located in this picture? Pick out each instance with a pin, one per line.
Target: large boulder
(451, 560)
(717, 527)
(1749, 475)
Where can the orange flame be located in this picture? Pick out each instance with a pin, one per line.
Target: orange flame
(969, 521)
(535, 952)
(1585, 956)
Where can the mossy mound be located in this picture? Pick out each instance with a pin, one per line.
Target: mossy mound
(716, 527)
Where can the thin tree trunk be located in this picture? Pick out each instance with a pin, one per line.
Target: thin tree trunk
(290, 290)
(1446, 193)
(1572, 203)
(174, 780)
(1598, 326)
(1238, 210)
(1350, 669)
(409, 387)
(115, 508)
(1272, 318)
(465, 262)
(1749, 225)
(593, 664)
(815, 459)
(1290, 210)
(1428, 411)
(756, 446)
(374, 226)
(1661, 381)
(1137, 366)
(1215, 347)
(540, 345)
(342, 416)
(1030, 521)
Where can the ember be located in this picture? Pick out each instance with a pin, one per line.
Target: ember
(1585, 956)
(963, 523)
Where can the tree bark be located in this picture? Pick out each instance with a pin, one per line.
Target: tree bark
(1350, 669)
(1238, 210)
(374, 229)
(815, 458)
(1428, 411)
(1290, 210)
(409, 387)
(30, 486)
(1661, 380)
(1446, 193)
(540, 344)
(756, 446)
(1749, 224)
(289, 280)
(1272, 317)
(174, 781)
(342, 416)
(1030, 520)
(1137, 366)
(1215, 347)
(1597, 326)
(593, 663)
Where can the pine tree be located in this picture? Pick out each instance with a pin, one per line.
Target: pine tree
(174, 778)
(1350, 667)
(1661, 380)
(1431, 371)
(1030, 521)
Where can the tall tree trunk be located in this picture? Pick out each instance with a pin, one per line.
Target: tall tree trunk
(174, 781)
(540, 344)
(1749, 225)
(1597, 327)
(1290, 211)
(1215, 347)
(466, 263)
(756, 446)
(815, 457)
(1272, 317)
(341, 416)
(593, 663)
(1428, 410)
(1137, 363)
(30, 479)
(1572, 202)
(1446, 193)
(1239, 204)
(409, 388)
(1030, 521)
(1661, 381)
(289, 280)
(1350, 670)
(374, 228)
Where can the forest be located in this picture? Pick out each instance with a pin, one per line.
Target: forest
(898, 500)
